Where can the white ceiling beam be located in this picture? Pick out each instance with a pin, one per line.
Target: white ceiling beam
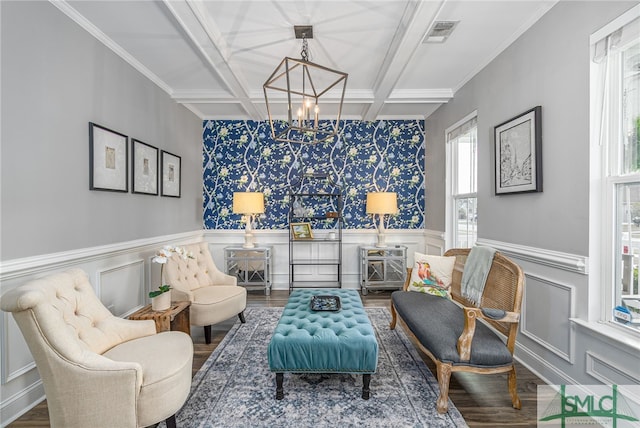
(207, 39)
(416, 21)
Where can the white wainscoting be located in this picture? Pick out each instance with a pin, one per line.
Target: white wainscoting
(415, 240)
(549, 324)
(113, 286)
(434, 242)
(557, 350)
(120, 274)
(606, 370)
(556, 341)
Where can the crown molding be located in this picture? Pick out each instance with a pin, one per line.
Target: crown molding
(544, 8)
(75, 16)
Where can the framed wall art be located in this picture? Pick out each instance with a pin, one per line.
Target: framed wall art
(144, 168)
(108, 159)
(518, 153)
(171, 174)
(301, 231)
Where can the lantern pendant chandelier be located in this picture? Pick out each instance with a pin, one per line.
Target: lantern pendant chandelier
(298, 91)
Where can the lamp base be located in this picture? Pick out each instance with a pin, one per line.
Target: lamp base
(381, 241)
(248, 241)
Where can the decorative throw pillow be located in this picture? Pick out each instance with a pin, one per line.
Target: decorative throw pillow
(432, 274)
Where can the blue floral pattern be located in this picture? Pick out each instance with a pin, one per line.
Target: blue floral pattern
(241, 155)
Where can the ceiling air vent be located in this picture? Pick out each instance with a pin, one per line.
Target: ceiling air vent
(440, 31)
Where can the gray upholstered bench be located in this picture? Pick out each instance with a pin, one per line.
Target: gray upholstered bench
(307, 341)
(437, 323)
(446, 330)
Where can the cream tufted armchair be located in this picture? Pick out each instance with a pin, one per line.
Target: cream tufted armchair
(214, 296)
(99, 370)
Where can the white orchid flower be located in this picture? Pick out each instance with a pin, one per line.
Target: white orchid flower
(159, 259)
(167, 251)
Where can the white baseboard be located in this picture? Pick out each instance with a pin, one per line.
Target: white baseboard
(11, 408)
(534, 364)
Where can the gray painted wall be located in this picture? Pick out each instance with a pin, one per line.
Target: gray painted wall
(547, 66)
(55, 79)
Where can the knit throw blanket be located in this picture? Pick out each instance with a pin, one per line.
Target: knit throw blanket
(476, 270)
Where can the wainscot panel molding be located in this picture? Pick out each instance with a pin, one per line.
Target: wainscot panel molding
(279, 240)
(121, 274)
(559, 309)
(434, 242)
(113, 287)
(548, 343)
(555, 259)
(607, 371)
(19, 403)
(557, 343)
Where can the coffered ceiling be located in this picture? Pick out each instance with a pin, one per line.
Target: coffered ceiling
(214, 56)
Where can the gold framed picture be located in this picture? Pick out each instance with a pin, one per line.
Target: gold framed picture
(301, 231)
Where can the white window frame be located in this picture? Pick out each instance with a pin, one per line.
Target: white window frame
(450, 183)
(602, 205)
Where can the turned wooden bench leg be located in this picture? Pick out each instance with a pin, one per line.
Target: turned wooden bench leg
(279, 389)
(394, 317)
(444, 375)
(513, 389)
(366, 381)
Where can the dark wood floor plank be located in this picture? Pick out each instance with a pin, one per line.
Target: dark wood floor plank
(484, 401)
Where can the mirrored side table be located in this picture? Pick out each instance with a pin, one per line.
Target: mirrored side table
(382, 267)
(251, 266)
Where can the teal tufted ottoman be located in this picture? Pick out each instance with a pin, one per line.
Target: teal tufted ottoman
(307, 341)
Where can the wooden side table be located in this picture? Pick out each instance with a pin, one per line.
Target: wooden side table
(176, 318)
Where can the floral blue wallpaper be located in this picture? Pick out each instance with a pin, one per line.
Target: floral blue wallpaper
(240, 155)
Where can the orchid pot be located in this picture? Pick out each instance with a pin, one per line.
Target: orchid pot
(161, 302)
(161, 298)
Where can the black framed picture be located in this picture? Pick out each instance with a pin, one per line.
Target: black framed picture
(144, 168)
(171, 174)
(108, 159)
(518, 153)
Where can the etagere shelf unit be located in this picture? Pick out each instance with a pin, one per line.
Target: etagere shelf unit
(315, 261)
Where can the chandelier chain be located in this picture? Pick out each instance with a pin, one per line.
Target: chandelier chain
(304, 53)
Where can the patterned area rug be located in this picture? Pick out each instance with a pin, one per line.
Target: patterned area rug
(234, 388)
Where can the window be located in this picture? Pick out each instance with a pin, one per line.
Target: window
(462, 201)
(615, 123)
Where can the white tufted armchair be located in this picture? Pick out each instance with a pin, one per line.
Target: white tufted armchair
(99, 370)
(214, 296)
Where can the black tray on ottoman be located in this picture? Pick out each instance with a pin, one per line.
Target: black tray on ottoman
(325, 303)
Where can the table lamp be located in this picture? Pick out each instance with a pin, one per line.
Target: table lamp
(248, 204)
(382, 203)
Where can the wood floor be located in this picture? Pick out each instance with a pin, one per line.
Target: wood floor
(484, 401)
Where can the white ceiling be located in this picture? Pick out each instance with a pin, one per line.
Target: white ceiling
(214, 56)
